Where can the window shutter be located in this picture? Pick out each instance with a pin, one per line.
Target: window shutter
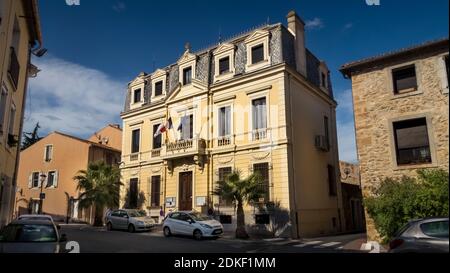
(30, 181)
(39, 180)
(55, 180)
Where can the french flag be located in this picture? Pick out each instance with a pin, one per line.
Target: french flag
(164, 127)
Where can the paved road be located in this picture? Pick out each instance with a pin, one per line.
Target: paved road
(98, 240)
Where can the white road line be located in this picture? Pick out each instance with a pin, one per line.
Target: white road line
(287, 242)
(341, 247)
(328, 245)
(308, 243)
(274, 239)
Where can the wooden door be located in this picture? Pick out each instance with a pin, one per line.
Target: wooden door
(185, 191)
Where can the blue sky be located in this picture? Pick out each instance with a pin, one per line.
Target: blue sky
(115, 40)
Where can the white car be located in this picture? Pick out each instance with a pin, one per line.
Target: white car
(129, 219)
(192, 224)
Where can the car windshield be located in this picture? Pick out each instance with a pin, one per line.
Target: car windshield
(134, 213)
(29, 233)
(198, 217)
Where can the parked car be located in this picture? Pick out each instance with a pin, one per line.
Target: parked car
(129, 219)
(30, 236)
(422, 236)
(191, 223)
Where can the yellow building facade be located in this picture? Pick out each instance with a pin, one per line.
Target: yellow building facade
(260, 102)
(20, 34)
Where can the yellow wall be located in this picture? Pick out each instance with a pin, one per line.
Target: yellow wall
(9, 11)
(297, 170)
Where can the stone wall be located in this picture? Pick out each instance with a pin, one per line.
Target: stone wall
(376, 106)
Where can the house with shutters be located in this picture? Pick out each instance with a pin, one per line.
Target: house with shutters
(49, 165)
(256, 102)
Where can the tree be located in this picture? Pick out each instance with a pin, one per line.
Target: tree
(100, 187)
(240, 191)
(140, 201)
(31, 137)
(397, 201)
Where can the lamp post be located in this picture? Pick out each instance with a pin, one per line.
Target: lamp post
(43, 176)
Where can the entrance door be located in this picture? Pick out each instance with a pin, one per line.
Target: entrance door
(185, 191)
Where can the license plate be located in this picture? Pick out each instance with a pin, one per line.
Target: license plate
(217, 231)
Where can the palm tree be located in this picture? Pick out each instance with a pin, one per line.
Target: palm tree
(100, 187)
(240, 191)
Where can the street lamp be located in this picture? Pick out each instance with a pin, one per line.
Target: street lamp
(41, 195)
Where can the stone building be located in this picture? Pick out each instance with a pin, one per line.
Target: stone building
(352, 197)
(20, 36)
(257, 102)
(401, 113)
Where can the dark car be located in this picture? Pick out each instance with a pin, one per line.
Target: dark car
(422, 236)
(30, 236)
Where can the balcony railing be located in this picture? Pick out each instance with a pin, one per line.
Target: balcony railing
(182, 148)
(156, 152)
(134, 157)
(14, 68)
(224, 141)
(259, 134)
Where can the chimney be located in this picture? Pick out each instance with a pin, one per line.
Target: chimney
(297, 27)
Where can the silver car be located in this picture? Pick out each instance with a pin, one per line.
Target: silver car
(129, 219)
(30, 236)
(422, 236)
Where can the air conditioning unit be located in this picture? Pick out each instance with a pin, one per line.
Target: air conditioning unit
(321, 143)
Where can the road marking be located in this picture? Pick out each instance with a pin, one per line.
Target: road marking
(287, 242)
(309, 243)
(274, 239)
(328, 245)
(341, 247)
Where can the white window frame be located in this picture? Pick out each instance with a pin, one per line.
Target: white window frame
(55, 179)
(188, 112)
(223, 51)
(4, 90)
(45, 153)
(443, 73)
(188, 59)
(252, 97)
(257, 38)
(159, 76)
(218, 106)
(12, 118)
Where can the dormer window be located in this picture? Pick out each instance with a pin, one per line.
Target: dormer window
(257, 54)
(137, 95)
(224, 65)
(323, 80)
(224, 62)
(187, 75)
(158, 88)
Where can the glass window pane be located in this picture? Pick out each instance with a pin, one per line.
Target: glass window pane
(257, 54)
(405, 79)
(158, 88)
(412, 143)
(224, 65)
(435, 229)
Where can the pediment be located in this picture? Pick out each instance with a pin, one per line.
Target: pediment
(181, 92)
(187, 57)
(224, 48)
(258, 34)
(159, 73)
(140, 79)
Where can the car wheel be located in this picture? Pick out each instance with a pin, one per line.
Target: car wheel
(109, 226)
(198, 235)
(131, 228)
(167, 232)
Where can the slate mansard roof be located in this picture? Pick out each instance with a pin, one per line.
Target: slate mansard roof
(281, 50)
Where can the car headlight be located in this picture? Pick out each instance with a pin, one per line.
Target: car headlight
(140, 223)
(206, 226)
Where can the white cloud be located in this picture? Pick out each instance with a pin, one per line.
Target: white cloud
(315, 23)
(119, 6)
(345, 127)
(348, 26)
(71, 98)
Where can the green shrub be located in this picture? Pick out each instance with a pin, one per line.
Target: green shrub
(397, 201)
